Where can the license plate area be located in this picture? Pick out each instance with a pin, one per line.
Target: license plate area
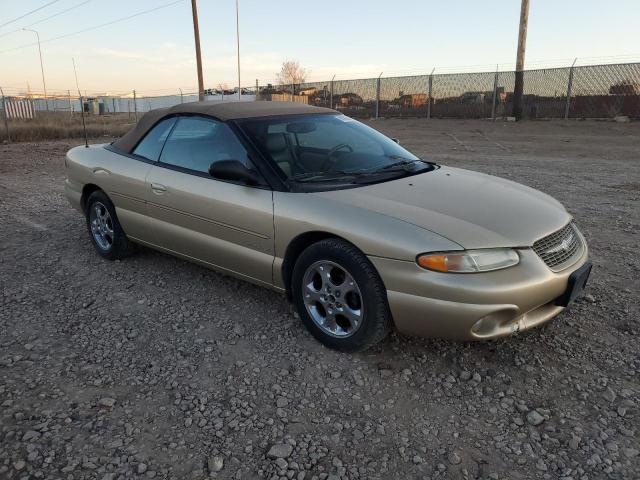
(577, 282)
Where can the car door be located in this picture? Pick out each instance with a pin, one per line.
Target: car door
(126, 176)
(223, 224)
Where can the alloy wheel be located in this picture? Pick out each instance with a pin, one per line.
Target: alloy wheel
(332, 298)
(101, 226)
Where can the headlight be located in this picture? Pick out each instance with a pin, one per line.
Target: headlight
(469, 261)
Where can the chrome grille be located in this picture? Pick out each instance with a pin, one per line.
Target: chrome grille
(560, 248)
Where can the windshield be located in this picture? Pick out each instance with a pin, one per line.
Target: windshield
(335, 148)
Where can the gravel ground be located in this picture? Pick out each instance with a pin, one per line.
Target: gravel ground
(157, 368)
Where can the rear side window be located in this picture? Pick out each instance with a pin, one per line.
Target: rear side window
(196, 142)
(151, 145)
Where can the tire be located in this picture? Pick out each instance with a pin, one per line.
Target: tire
(340, 296)
(105, 230)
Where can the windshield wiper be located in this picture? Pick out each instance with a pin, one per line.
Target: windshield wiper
(403, 165)
(321, 176)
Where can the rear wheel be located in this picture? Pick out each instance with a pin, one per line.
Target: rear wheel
(105, 230)
(340, 296)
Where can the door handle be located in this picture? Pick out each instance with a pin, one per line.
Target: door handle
(157, 188)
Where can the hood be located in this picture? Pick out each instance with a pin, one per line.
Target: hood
(470, 208)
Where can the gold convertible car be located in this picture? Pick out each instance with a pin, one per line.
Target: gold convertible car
(360, 234)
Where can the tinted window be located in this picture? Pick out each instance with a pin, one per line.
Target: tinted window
(151, 145)
(196, 142)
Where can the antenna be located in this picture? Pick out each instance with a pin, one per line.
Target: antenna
(84, 126)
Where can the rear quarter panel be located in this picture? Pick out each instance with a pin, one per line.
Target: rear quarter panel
(121, 177)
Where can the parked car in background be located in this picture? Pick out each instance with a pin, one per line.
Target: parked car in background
(360, 233)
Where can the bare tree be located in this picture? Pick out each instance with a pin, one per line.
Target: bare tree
(291, 73)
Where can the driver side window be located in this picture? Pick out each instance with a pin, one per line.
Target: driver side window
(197, 142)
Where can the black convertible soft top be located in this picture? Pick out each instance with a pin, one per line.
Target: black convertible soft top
(221, 110)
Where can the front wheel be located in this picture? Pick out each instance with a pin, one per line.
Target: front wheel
(105, 230)
(340, 296)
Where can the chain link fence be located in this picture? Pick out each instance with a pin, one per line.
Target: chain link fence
(596, 91)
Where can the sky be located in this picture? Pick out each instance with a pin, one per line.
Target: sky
(154, 53)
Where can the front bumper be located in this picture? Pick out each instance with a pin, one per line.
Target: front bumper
(473, 306)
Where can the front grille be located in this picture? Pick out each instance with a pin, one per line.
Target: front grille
(560, 248)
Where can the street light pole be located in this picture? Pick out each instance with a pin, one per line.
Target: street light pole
(238, 42)
(44, 84)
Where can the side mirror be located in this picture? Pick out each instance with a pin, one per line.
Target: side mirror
(233, 170)
(396, 140)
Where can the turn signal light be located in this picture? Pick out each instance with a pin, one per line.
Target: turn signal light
(469, 261)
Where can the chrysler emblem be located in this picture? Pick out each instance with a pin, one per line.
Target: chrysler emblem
(563, 246)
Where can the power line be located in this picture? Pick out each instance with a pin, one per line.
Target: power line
(46, 18)
(84, 30)
(59, 13)
(29, 13)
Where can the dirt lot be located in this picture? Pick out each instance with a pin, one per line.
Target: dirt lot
(153, 367)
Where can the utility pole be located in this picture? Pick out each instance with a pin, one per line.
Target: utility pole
(522, 40)
(44, 84)
(238, 42)
(196, 33)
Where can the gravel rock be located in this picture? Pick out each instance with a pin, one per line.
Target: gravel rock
(215, 463)
(107, 402)
(280, 450)
(609, 395)
(534, 418)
